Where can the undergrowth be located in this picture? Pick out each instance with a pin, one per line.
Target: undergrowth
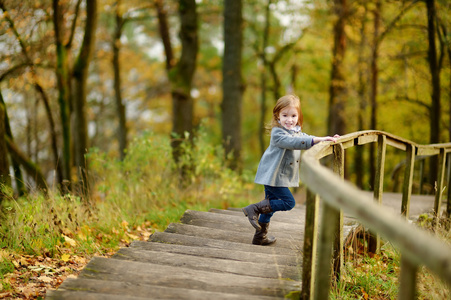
(130, 200)
(375, 276)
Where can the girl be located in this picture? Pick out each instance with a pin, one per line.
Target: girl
(279, 166)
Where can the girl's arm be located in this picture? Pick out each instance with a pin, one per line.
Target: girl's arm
(318, 139)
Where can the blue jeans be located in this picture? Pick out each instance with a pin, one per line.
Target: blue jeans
(280, 199)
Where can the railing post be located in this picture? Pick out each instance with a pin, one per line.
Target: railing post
(338, 256)
(439, 186)
(422, 162)
(331, 222)
(407, 279)
(328, 228)
(379, 182)
(448, 207)
(408, 177)
(310, 245)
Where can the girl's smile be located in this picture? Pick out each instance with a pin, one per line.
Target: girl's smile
(288, 117)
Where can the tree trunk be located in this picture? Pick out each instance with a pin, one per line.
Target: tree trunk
(435, 115)
(362, 92)
(120, 106)
(263, 85)
(5, 179)
(62, 77)
(40, 90)
(164, 34)
(20, 183)
(337, 90)
(80, 76)
(181, 76)
(374, 83)
(232, 85)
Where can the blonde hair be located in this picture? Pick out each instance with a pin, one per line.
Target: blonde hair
(283, 102)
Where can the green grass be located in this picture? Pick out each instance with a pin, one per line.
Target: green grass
(130, 200)
(369, 276)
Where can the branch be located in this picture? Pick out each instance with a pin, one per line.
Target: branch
(395, 20)
(74, 25)
(31, 168)
(13, 28)
(414, 101)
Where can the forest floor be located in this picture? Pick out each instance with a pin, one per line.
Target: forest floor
(32, 276)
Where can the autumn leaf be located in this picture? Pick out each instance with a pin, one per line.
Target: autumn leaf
(45, 279)
(65, 257)
(68, 241)
(365, 295)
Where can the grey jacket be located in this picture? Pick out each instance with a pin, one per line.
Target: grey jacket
(279, 165)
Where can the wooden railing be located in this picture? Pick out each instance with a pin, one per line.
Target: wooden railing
(323, 251)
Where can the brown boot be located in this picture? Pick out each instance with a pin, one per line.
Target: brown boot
(261, 236)
(254, 210)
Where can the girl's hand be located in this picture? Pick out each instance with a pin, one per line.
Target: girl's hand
(326, 139)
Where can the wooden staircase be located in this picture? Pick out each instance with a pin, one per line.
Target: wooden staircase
(208, 255)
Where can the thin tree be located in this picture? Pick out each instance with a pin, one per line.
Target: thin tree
(232, 84)
(337, 90)
(37, 85)
(121, 18)
(63, 77)
(80, 76)
(362, 92)
(20, 186)
(377, 40)
(435, 116)
(181, 73)
(263, 77)
(120, 106)
(5, 179)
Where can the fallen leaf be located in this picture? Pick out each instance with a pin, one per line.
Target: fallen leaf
(65, 257)
(69, 241)
(45, 279)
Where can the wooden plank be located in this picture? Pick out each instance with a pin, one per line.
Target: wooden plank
(379, 183)
(264, 269)
(180, 239)
(408, 179)
(338, 255)
(87, 289)
(291, 220)
(294, 216)
(224, 254)
(328, 227)
(168, 276)
(397, 144)
(448, 207)
(439, 187)
(84, 294)
(366, 139)
(310, 245)
(427, 150)
(224, 235)
(407, 280)
(293, 233)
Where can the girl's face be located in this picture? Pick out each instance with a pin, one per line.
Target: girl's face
(288, 117)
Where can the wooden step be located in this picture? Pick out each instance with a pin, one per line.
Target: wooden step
(93, 289)
(296, 215)
(224, 235)
(238, 223)
(219, 253)
(180, 277)
(180, 239)
(264, 269)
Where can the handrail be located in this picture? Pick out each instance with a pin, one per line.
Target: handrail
(416, 245)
